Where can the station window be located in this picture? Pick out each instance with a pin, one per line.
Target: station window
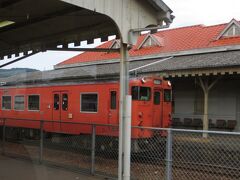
(6, 102)
(157, 97)
(167, 95)
(65, 102)
(113, 100)
(141, 93)
(33, 102)
(19, 103)
(89, 102)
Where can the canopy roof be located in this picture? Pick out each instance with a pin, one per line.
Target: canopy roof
(37, 25)
(41, 24)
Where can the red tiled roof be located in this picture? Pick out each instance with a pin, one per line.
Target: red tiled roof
(178, 39)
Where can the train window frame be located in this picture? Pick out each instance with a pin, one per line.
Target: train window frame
(164, 94)
(10, 103)
(19, 95)
(113, 101)
(56, 103)
(33, 110)
(138, 98)
(89, 93)
(154, 99)
(65, 106)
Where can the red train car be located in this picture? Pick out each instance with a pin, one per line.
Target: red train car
(87, 103)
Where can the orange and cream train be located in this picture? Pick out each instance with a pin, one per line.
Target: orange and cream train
(61, 105)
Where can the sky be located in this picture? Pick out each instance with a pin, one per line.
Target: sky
(186, 12)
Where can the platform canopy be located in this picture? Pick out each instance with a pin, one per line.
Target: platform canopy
(38, 25)
(32, 26)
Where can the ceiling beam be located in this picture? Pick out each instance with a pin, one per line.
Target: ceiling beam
(85, 49)
(7, 3)
(18, 59)
(39, 19)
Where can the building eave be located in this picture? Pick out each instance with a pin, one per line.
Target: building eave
(155, 56)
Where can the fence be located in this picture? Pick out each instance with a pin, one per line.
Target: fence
(158, 154)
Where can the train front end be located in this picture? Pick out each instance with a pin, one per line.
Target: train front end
(151, 108)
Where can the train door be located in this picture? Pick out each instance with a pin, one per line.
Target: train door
(113, 107)
(60, 109)
(157, 108)
(167, 107)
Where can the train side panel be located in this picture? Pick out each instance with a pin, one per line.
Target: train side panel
(67, 104)
(72, 113)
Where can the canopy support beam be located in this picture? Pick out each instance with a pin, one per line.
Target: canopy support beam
(206, 87)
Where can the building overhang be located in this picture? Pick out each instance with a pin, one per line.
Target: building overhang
(200, 72)
(27, 25)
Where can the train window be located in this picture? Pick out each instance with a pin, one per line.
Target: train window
(33, 102)
(113, 100)
(6, 102)
(65, 102)
(167, 95)
(89, 102)
(157, 97)
(56, 102)
(141, 93)
(19, 103)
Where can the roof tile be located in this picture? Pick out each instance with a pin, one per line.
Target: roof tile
(178, 39)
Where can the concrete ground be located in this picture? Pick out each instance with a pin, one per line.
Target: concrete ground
(12, 169)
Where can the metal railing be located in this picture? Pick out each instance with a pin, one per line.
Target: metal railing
(157, 153)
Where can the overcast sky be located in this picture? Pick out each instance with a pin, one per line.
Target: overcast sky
(186, 12)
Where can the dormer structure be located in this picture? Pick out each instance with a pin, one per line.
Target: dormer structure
(151, 40)
(115, 44)
(231, 30)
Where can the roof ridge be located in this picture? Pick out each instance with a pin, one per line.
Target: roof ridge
(214, 25)
(183, 27)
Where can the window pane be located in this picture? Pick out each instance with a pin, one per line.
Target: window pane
(33, 102)
(145, 94)
(89, 103)
(113, 100)
(65, 102)
(141, 93)
(19, 103)
(156, 98)
(6, 102)
(135, 92)
(167, 95)
(56, 102)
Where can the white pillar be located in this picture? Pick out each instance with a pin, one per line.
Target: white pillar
(127, 138)
(206, 89)
(124, 86)
(205, 113)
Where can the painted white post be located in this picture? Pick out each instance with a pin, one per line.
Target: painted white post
(124, 86)
(127, 138)
(206, 89)
(205, 114)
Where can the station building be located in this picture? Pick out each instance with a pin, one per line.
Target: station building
(202, 62)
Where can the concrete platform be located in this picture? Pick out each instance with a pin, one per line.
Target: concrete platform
(12, 169)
